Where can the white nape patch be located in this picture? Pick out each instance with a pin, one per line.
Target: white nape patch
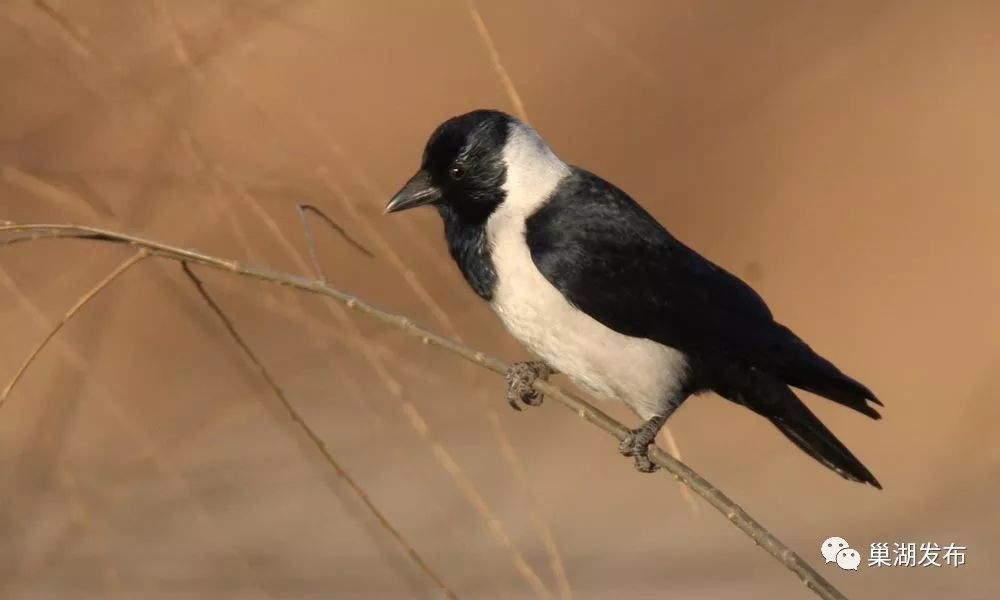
(533, 170)
(643, 374)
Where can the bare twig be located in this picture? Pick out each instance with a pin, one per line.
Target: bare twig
(505, 80)
(463, 482)
(675, 450)
(303, 209)
(385, 377)
(311, 125)
(515, 98)
(718, 500)
(76, 35)
(555, 560)
(148, 450)
(545, 532)
(316, 440)
(124, 266)
(548, 540)
(181, 52)
(440, 453)
(49, 192)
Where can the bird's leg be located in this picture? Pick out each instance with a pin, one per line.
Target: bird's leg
(637, 441)
(521, 377)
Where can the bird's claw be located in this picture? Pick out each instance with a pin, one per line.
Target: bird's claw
(636, 444)
(644, 465)
(521, 377)
(625, 447)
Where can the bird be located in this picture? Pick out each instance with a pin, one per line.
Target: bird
(598, 290)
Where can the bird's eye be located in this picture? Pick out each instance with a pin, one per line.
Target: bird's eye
(456, 171)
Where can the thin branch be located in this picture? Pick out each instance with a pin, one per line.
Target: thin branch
(675, 450)
(548, 540)
(307, 232)
(316, 440)
(515, 98)
(470, 491)
(86, 298)
(390, 254)
(140, 438)
(442, 455)
(382, 372)
(393, 386)
(551, 548)
(718, 500)
(80, 513)
(491, 47)
(76, 35)
(314, 125)
(47, 191)
(544, 531)
(181, 52)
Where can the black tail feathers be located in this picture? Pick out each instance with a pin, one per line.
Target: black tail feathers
(837, 387)
(805, 430)
(800, 366)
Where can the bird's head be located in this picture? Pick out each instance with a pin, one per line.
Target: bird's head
(469, 164)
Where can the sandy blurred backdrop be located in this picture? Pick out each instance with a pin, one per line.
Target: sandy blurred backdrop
(841, 156)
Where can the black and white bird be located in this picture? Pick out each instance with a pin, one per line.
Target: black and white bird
(593, 285)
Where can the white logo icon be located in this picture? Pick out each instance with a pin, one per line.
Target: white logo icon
(831, 547)
(848, 559)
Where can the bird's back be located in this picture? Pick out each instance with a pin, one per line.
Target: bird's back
(611, 259)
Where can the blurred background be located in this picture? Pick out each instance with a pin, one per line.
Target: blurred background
(840, 156)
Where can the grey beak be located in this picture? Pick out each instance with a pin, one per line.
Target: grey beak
(418, 191)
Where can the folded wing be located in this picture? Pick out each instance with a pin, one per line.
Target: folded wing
(614, 261)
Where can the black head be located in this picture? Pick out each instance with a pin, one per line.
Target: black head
(462, 171)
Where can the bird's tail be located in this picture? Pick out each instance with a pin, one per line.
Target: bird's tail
(805, 430)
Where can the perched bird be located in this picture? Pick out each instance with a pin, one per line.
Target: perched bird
(593, 285)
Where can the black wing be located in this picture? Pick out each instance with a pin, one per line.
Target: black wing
(614, 261)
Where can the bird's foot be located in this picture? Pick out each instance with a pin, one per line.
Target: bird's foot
(521, 377)
(637, 441)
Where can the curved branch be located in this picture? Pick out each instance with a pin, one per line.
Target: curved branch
(83, 301)
(711, 494)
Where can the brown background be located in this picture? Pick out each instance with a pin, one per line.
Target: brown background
(841, 156)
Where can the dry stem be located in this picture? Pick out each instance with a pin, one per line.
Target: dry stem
(86, 298)
(491, 47)
(718, 500)
(316, 440)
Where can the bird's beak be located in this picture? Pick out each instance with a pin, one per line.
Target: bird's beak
(419, 190)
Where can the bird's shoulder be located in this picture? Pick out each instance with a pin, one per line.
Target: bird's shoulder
(614, 260)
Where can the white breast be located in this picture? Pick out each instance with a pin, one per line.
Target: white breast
(642, 373)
